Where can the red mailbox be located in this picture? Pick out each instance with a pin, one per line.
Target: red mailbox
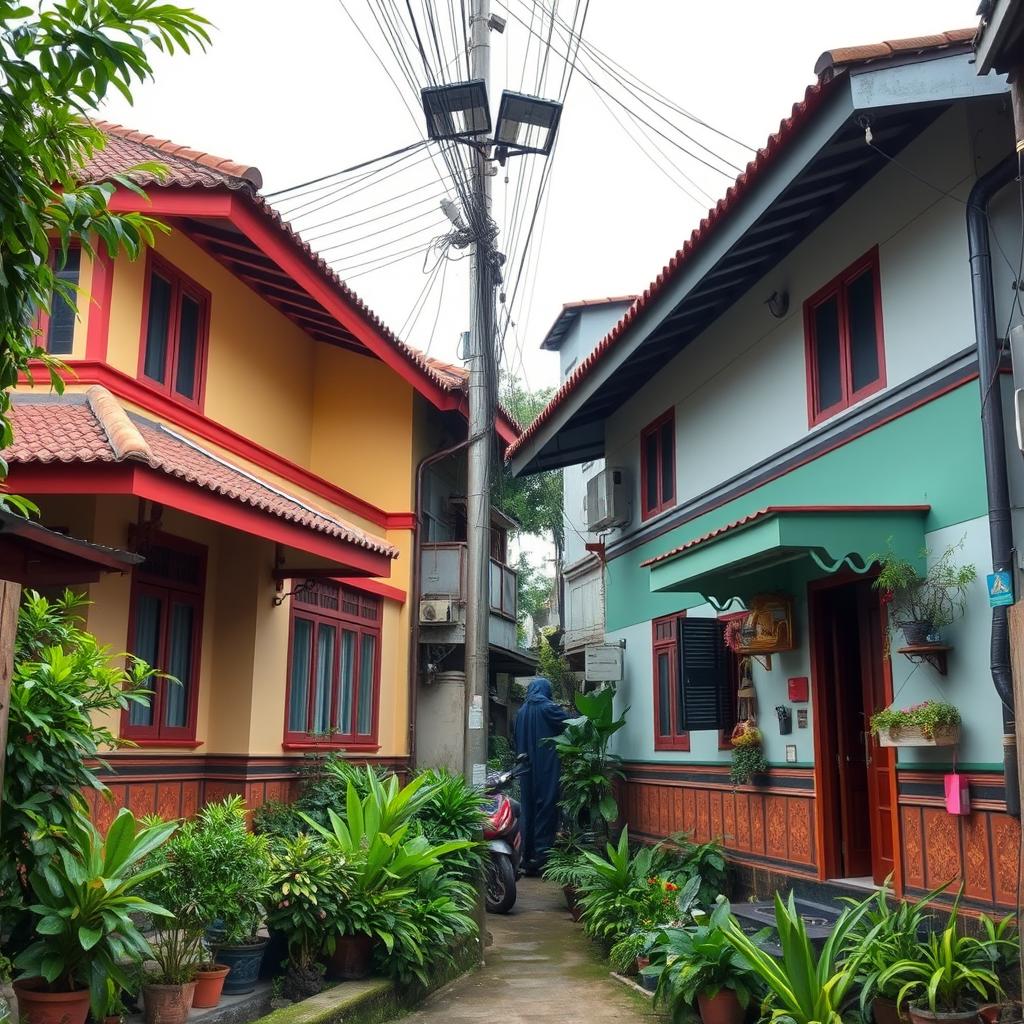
(798, 689)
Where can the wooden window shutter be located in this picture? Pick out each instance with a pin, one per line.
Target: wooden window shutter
(704, 674)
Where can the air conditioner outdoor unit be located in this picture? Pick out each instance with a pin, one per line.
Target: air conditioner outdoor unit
(436, 609)
(607, 500)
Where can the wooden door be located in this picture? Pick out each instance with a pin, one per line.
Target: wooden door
(880, 760)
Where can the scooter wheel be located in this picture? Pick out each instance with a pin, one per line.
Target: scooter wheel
(501, 885)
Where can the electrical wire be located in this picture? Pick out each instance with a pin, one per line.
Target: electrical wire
(373, 220)
(390, 241)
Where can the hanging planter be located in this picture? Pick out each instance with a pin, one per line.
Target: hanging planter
(931, 723)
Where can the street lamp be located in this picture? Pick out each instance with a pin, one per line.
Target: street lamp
(526, 124)
(457, 112)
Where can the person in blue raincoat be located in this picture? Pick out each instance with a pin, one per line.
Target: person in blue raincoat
(539, 719)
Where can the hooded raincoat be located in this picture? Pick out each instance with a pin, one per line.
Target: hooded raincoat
(539, 718)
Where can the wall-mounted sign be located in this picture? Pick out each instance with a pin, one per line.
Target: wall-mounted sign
(603, 663)
(801, 718)
(1000, 588)
(790, 753)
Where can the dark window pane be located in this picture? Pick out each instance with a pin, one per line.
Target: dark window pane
(826, 354)
(302, 642)
(668, 460)
(188, 347)
(860, 300)
(60, 333)
(179, 665)
(367, 675)
(650, 457)
(157, 323)
(325, 640)
(146, 645)
(664, 694)
(346, 681)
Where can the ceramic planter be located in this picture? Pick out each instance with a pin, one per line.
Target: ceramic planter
(36, 1006)
(351, 958)
(723, 1008)
(921, 1015)
(209, 985)
(244, 962)
(916, 633)
(911, 736)
(168, 1004)
(885, 1011)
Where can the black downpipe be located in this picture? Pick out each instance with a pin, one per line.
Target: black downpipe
(994, 444)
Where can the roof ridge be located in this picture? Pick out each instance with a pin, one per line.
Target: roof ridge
(125, 438)
(232, 168)
(833, 61)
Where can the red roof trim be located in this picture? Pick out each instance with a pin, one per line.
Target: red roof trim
(774, 510)
(777, 144)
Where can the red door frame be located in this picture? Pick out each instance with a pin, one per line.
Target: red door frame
(824, 742)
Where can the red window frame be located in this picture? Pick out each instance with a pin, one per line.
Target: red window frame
(145, 581)
(181, 285)
(665, 641)
(664, 500)
(837, 288)
(42, 318)
(351, 615)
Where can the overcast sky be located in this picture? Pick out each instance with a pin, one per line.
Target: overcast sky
(292, 88)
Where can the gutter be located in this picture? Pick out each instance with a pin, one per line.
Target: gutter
(994, 445)
(414, 589)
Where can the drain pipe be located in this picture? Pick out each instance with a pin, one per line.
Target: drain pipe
(994, 445)
(414, 589)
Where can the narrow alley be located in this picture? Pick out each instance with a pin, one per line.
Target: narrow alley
(540, 967)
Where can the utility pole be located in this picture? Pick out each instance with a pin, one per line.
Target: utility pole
(482, 403)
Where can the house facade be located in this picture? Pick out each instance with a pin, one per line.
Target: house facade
(235, 415)
(796, 393)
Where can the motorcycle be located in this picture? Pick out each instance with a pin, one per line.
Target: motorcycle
(504, 841)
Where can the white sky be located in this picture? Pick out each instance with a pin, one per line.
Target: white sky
(291, 88)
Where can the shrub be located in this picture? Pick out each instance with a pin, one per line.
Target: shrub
(277, 819)
(747, 761)
(454, 810)
(928, 716)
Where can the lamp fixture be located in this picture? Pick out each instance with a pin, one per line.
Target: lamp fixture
(458, 112)
(526, 124)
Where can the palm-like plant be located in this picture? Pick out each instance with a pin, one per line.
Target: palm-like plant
(805, 986)
(86, 897)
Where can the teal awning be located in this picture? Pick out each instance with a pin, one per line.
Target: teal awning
(726, 562)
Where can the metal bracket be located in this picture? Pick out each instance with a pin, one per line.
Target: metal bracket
(846, 560)
(298, 589)
(721, 606)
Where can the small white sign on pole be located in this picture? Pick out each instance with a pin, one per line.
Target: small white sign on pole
(603, 663)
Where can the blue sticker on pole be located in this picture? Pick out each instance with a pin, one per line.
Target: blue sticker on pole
(1000, 588)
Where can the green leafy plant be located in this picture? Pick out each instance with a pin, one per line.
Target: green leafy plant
(308, 885)
(804, 986)
(85, 901)
(589, 771)
(566, 864)
(454, 810)
(929, 716)
(64, 687)
(277, 820)
(680, 859)
(623, 955)
(937, 598)
(946, 972)
(699, 961)
(748, 760)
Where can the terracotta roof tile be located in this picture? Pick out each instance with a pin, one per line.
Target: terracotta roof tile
(95, 427)
(777, 143)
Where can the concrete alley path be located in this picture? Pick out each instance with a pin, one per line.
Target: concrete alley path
(540, 968)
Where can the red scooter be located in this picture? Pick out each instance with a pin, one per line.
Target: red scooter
(504, 841)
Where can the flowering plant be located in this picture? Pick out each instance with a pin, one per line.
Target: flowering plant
(928, 716)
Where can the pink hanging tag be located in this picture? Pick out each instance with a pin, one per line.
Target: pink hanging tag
(958, 794)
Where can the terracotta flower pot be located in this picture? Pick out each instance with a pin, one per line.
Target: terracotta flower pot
(723, 1008)
(168, 1004)
(921, 1015)
(37, 1006)
(209, 985)
(571, 896)
(350, 960)
(885, 1011)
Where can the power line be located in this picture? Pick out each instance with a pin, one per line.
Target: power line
(391, 241)
(373, 220)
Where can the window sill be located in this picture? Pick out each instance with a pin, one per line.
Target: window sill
(673, 748)
(152, 741)
(369, 747)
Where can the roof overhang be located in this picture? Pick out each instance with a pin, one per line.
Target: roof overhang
(1000, 42)
(552, 341)
(744, 557)
(815, 164)
(301, 548)
(34, 556)
(248, 239)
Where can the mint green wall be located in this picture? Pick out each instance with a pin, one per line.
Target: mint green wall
(931, 456)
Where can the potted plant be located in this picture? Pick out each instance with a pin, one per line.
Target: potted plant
(946, 977)
(566, 866)
(699, 966)
(308, 887)
(85, 935)
(748, 758)
(932, 723)
(626, 953)
(921, 605)
(8, 1002)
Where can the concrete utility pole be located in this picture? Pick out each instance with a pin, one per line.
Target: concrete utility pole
(482, 404)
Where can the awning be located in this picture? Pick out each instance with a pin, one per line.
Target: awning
(733, 559)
